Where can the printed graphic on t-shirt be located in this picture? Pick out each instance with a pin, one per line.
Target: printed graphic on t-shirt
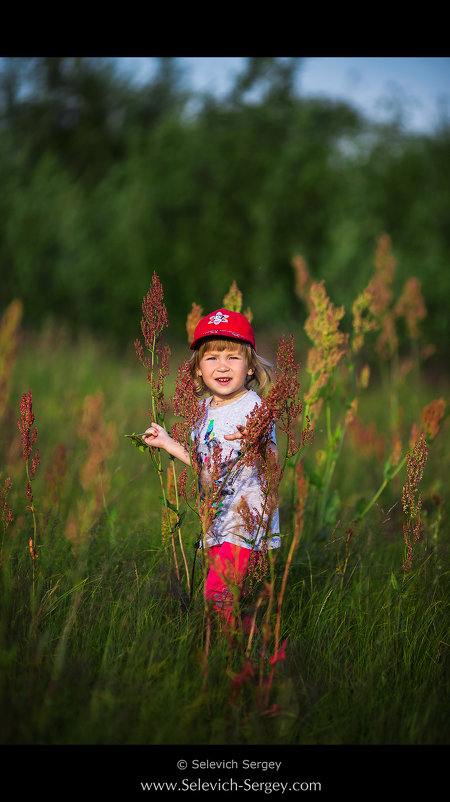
(209, 434)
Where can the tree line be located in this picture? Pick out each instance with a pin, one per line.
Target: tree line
(105, 180)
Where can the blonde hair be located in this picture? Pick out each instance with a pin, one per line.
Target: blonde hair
(262, 370)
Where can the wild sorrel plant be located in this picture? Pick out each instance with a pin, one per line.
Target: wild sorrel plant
(193, 318)
(330, 348)
(416, 459)
(302, 278)
(431, 417)
(156, 361)
(154, 321)
(412, 503)
(333, 351)
(100, 439)
(32, 462)
(376, 310)
(233, 301)
(411, 307)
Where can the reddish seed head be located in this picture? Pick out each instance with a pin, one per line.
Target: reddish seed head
(154, 311)
(193, 319)
(432, 416)
(302, 277)
(412, 504)
(154, 320)
(251, 517)
(25, 425)
(185, 405)
(282, 406)
(411, 306)
(415, 468)
(182, 483)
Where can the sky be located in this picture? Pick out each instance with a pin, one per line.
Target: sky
(371, 84)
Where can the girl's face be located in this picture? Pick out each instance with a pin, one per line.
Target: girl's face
(224, 373)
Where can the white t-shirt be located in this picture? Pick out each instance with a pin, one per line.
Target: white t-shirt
(242, 481)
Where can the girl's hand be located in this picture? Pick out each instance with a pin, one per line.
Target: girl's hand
(238, 435)
(242, 432)
(156, 436)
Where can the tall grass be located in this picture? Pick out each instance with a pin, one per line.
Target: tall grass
(105, 646)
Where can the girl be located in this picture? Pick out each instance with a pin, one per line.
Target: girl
(225, 363)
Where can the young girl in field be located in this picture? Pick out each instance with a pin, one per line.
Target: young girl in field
(224, 364)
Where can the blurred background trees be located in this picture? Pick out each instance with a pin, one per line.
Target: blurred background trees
(104, 181)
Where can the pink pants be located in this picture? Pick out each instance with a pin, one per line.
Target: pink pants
(227, 566)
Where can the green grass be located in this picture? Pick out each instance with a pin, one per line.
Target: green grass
(106, 651)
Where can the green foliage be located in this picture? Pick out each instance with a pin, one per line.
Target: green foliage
(137, 440)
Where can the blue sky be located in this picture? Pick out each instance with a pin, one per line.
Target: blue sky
(371, 84)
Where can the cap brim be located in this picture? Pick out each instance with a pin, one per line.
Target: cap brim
(216, 333)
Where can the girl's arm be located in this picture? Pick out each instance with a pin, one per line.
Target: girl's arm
(157, 437)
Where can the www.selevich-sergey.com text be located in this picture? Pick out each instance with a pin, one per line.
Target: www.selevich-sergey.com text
(230, 785)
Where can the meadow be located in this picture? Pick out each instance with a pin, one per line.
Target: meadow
(104, 636)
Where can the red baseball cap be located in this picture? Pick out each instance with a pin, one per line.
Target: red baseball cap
(224, 323)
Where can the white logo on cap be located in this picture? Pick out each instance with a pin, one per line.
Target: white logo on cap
(219, 317)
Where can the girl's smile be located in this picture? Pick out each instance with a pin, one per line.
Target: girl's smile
(224, 373)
